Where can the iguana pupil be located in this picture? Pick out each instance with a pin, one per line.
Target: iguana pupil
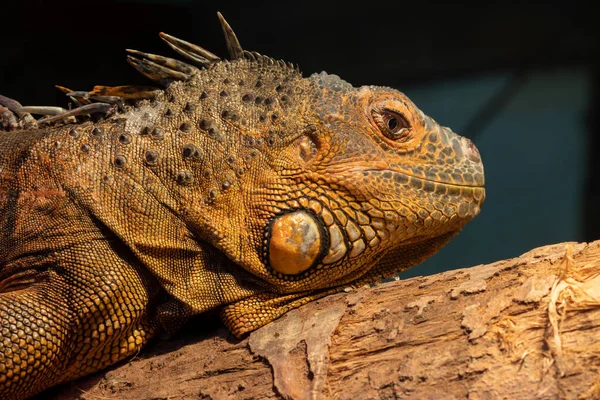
(392, 124)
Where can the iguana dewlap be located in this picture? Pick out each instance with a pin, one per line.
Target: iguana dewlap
(241, 186)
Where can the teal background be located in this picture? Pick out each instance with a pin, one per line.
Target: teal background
(534, 153)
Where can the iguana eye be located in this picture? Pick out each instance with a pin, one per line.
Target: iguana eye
(392, 124)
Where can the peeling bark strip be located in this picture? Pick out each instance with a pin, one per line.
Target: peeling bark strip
(523, 328)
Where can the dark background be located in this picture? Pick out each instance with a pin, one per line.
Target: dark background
(520, 79)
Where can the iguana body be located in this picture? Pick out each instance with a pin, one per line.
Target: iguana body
(242, 186)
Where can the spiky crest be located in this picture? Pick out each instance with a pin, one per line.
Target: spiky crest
(104, 100)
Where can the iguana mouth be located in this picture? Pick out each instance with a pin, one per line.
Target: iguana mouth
(439, 182)
(469, 179)
(402, 178)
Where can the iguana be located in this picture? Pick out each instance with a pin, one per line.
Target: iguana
(241, 187)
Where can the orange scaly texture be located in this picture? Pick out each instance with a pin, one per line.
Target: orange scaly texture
(115, 228)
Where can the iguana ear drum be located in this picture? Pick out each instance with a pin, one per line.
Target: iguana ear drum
(296, 242)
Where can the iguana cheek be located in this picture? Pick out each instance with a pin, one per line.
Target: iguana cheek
(295, 242)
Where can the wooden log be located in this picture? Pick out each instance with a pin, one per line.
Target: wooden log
(522, 328)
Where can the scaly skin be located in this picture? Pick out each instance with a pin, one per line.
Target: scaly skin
(244, 187)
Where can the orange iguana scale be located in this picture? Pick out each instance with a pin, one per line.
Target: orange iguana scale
(241, 186)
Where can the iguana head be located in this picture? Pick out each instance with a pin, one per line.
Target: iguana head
(353, 175)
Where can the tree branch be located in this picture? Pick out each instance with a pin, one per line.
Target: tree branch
(523, 328)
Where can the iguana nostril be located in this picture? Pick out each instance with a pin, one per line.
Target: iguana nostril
(470, 150)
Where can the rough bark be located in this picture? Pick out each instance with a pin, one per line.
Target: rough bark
(523, 328)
